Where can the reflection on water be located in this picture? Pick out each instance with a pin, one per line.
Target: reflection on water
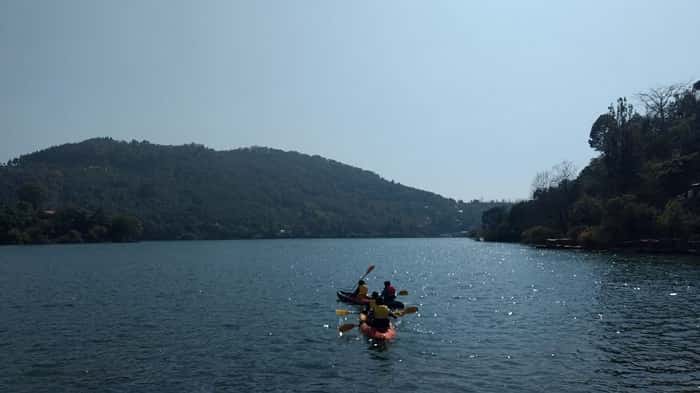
(259, 315)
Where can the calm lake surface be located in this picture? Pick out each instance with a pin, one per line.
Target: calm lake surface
(236, 316)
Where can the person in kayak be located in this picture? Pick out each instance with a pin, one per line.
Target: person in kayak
(369, 307)
(361, 291)
(380, 316)
(388, 293)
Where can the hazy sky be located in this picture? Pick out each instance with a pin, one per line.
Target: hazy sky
(467, 99)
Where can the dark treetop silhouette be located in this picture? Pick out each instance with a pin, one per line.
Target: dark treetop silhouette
(642, 191)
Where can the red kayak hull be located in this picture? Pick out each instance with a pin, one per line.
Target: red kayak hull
(373, 333)
(347, 297)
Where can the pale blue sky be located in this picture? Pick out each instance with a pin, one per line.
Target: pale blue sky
(467, 99)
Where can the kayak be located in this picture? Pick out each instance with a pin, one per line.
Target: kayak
(395, 305)
(348, 297)
(373, 333)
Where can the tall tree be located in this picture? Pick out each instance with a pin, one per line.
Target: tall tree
(604, 126)
(657, 102)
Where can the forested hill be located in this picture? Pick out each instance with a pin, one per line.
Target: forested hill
(642, 191)
(103, 189)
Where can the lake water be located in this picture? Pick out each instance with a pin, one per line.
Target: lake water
(236, 316)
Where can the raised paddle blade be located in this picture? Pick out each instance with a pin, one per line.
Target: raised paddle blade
(403, 292)
(346, 327)
(342, 313)
(369, 270)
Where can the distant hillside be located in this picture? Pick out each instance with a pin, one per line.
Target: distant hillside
(192, 192)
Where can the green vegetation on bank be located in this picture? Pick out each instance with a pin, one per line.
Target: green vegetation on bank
(102, 190)
(25, 225)
(642, 190)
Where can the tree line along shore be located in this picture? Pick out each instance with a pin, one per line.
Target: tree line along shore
(641, 192)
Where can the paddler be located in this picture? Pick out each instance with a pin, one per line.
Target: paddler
(388, 293)
(369, 308)
(380, 316)
(361, 291)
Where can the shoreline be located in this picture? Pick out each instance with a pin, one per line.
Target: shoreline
(540, 246)
(635, 248)
(247, 238)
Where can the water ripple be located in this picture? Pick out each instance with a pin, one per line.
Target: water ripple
(252, 316)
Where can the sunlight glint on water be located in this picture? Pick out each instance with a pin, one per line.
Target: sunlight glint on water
(259, 315)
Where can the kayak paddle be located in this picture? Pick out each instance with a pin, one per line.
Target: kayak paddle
(406, 311)
(369, 270)
(400, 313)
(403, 292)
(349, 326)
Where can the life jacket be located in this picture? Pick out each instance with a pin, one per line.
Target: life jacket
(389, 293)
(362, 291)
(381, 312)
